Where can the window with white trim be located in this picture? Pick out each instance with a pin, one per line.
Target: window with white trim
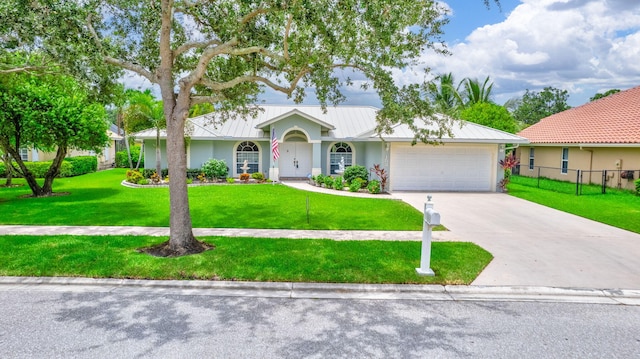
(531, 158)
(250, 152)
(24, 154)
(339, 151)
(565, 160)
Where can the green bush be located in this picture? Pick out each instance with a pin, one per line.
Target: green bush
(83, 164)
(319, 179)
(134, 176)
(215, 169)
(352, 172)
(231, 180)
(328, 182)
(338, 183)
(258, 176)
(356, 184)
(143, 181)
(374, 186)
(3, 170)
(122, 161)
(637, 183)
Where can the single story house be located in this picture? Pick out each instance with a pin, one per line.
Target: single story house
(597, 136)
(106, 159)
(311, 142)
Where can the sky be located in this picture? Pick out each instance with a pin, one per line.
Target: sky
(582, 46)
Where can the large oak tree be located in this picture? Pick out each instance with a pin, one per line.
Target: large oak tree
(227, 52)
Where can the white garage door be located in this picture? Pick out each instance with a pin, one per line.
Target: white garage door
(440, 168)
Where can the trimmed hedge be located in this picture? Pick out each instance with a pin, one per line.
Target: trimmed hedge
(122, 160)
(72, 166)
(191, 172)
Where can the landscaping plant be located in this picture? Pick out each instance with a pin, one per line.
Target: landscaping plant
(338, 183)
(382, 174)
(355, 171)
(374, 186)
(215, 169)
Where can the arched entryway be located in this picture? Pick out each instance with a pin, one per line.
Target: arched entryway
(295, 155)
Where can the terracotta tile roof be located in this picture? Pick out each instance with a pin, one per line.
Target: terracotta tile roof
(612, 119)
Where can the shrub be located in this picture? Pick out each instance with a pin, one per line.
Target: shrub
(143, 181)
(356, 184)
(338, 183)
(637, 183)
(134, 176)
(155, 178)
(230, 180)
(382, 174)
(352, 172)
(3, 170)
(189, 180)
(215, 169)
(258, 176)
(245, 177)
(122, 161)
(81, 165)
(319, 179)
(203, 178)
(374, 186)
(148, 172)
(328, 182)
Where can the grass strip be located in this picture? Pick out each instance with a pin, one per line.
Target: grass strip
(240, 258)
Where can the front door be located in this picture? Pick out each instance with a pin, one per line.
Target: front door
(295, 159)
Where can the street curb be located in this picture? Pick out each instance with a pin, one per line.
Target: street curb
(326, 290)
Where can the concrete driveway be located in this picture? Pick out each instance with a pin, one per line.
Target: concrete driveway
(534, 245)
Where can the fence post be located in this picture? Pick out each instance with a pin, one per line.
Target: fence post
(578, 180)
(604, 181)
(538, 177)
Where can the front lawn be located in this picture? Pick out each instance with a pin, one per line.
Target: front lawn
(100, 199)
(250, 259)
(616, 208)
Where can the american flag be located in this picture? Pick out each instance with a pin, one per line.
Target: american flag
(274, 145)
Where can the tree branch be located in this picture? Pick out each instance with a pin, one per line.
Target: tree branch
(132, 67)
(196, 100)
(194, 45)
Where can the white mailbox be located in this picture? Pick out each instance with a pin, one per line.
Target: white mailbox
(431, 218)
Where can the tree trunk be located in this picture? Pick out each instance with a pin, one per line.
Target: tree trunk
(54, 171)
(6, 158)
(22, 169)
(158, 153)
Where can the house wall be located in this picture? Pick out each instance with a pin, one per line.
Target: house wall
(297, 122)
(150, 153)
(585, 159)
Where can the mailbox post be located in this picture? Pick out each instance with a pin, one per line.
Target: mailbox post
(431, 219)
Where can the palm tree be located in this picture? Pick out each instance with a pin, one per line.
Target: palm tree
(145, 111)
(444, 94)
(474, 92)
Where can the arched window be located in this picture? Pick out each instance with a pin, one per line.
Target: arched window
(247, 151)
(338, 152)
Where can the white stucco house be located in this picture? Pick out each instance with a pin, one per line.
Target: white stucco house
(311, 142)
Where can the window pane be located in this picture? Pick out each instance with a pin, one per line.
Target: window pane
(247, 151)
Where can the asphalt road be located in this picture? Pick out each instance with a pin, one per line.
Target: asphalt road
(143, 324)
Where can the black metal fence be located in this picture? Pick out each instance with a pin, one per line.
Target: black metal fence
(580, 182)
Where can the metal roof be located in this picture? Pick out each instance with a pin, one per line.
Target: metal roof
(342, 122)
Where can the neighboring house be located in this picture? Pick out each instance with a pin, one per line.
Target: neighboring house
(311, 142)
(597, 136)
(105, 160)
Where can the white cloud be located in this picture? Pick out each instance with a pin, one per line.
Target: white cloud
(579, 45)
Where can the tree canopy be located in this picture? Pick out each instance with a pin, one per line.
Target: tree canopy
(490, 115)
(535, 106)
(599, 95)
(49, 113)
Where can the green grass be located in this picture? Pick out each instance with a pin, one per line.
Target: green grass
(251, 259)
(100, 199)
(617, 208)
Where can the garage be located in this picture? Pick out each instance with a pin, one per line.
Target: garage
(448, 167)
